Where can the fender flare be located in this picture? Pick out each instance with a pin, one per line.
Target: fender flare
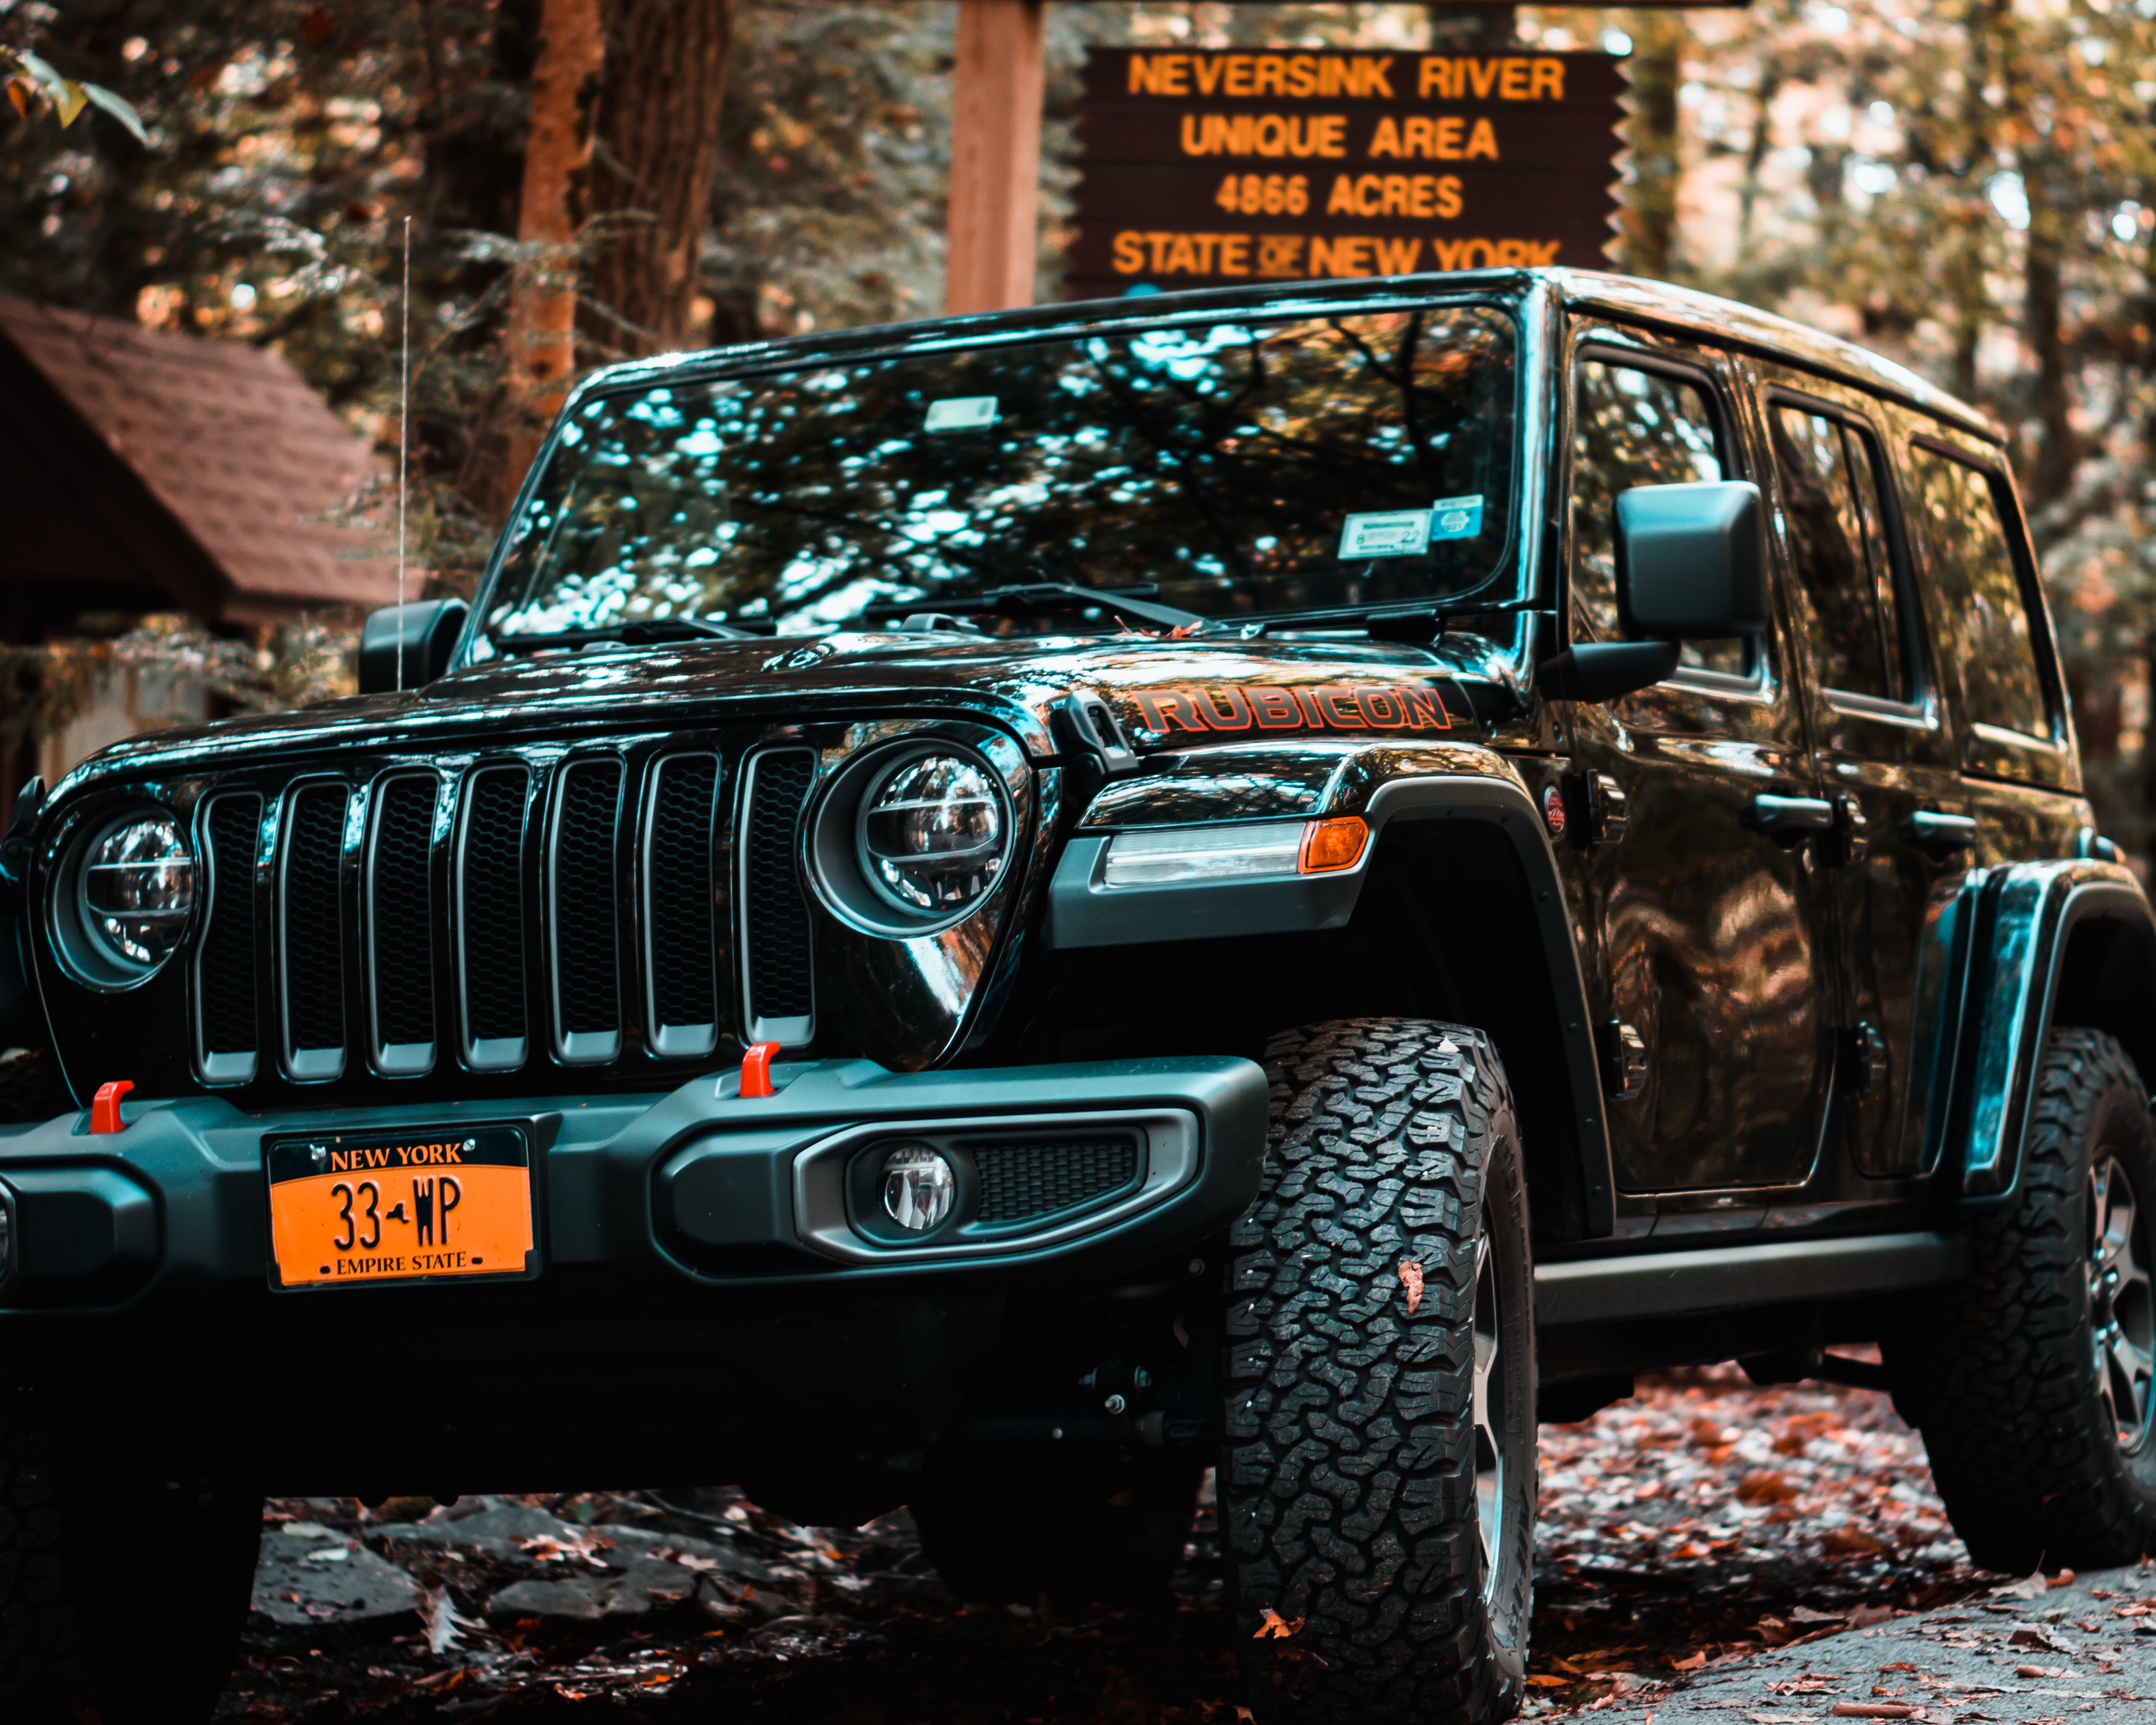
(1083, 911)
(2025, 921)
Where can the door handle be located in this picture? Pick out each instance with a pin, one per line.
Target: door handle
(1788, 820)
(1940, 834)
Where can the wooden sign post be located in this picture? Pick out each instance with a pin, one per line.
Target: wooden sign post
(996, 93)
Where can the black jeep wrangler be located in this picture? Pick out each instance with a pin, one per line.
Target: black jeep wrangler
(990, 914)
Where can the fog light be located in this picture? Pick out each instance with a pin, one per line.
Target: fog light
(918, 1187)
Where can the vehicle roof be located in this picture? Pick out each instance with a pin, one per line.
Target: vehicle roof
(1685, 310)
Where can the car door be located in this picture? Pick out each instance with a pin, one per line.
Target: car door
(1892, 868)
(1710, 923)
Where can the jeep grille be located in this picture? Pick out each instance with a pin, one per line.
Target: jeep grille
(496, 915)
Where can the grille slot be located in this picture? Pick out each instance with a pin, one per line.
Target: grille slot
(681, 946)
(489, 919)
(312, 929)
(587, 951)
(401, 921)
(778, 984)
(1024, 1182)
(229, 1030)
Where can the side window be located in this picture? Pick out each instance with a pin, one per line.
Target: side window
(1983, 610)
(1634, 427)
(1832, 504)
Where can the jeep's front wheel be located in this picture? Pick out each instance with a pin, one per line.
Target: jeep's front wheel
(1377, 1483)
(2034, 1379)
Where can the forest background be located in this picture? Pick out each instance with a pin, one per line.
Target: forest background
(1968, 186)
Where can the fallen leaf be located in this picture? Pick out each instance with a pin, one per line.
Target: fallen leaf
(1276, 1626)
(1545, 1682)
(1848, 1541)
(439, 1612)
(1899, 1665)
(2065, 1578)
(2036, 1671)
(2027, 1635)
(1693, 1664)
(1411, 1280)
(1764, 1485)
(1872, 1710)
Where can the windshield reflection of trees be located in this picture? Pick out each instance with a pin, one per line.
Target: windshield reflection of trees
(1218, 462)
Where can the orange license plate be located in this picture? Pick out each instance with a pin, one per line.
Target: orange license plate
(411, 1206)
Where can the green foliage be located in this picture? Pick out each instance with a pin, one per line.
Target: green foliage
(45, 687)
(835, 151)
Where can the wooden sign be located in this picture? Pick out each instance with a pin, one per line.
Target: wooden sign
(1201, 168)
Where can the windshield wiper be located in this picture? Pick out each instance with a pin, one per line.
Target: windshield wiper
(1391, 621)
(644, 633)
(1029, 597)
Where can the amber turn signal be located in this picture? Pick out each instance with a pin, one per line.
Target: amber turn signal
(1334, 843)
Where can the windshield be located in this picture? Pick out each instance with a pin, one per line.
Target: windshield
(1234, 470)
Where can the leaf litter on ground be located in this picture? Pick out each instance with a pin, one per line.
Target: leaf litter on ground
(1693, 1527)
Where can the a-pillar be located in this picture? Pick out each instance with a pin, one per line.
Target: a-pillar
(996, 93)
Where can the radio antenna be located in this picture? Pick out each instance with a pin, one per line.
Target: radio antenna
(404, 444)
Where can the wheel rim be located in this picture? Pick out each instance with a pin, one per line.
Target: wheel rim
(2121, 1307)
(1489, 1414)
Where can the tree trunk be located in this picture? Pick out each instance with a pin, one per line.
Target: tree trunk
(1648, 222)
(658, 154)
(543, 303)
(1755, 155)
(2043, 327)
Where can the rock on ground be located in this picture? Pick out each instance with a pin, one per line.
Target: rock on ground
(1708, 1551)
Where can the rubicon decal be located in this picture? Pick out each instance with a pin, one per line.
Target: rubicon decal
(1321, 706)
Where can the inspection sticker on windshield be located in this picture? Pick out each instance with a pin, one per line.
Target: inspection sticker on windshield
(1457, 517)
(1394, 533)
(962, 413)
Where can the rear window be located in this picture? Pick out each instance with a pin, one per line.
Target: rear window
(1963, 516)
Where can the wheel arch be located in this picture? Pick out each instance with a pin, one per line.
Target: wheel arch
(2069, 942)
(1446, 848)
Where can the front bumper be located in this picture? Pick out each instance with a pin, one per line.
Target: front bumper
(699, 1189)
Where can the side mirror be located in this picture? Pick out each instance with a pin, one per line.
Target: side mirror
(427, 632)
(1691, 562)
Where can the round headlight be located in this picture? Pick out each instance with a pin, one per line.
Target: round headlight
(933, 836)
(135, 891)
(919, 1187)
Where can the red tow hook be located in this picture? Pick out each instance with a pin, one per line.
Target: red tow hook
(756, 1071)
(105, 1105)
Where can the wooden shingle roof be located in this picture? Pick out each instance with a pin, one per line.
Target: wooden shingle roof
(230, 457)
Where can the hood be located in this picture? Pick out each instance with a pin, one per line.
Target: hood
(1166, 694)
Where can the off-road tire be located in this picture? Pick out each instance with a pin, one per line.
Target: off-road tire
(1106, 1529)
(1348, 1499)
(2000, 1371)
(121, 1599)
